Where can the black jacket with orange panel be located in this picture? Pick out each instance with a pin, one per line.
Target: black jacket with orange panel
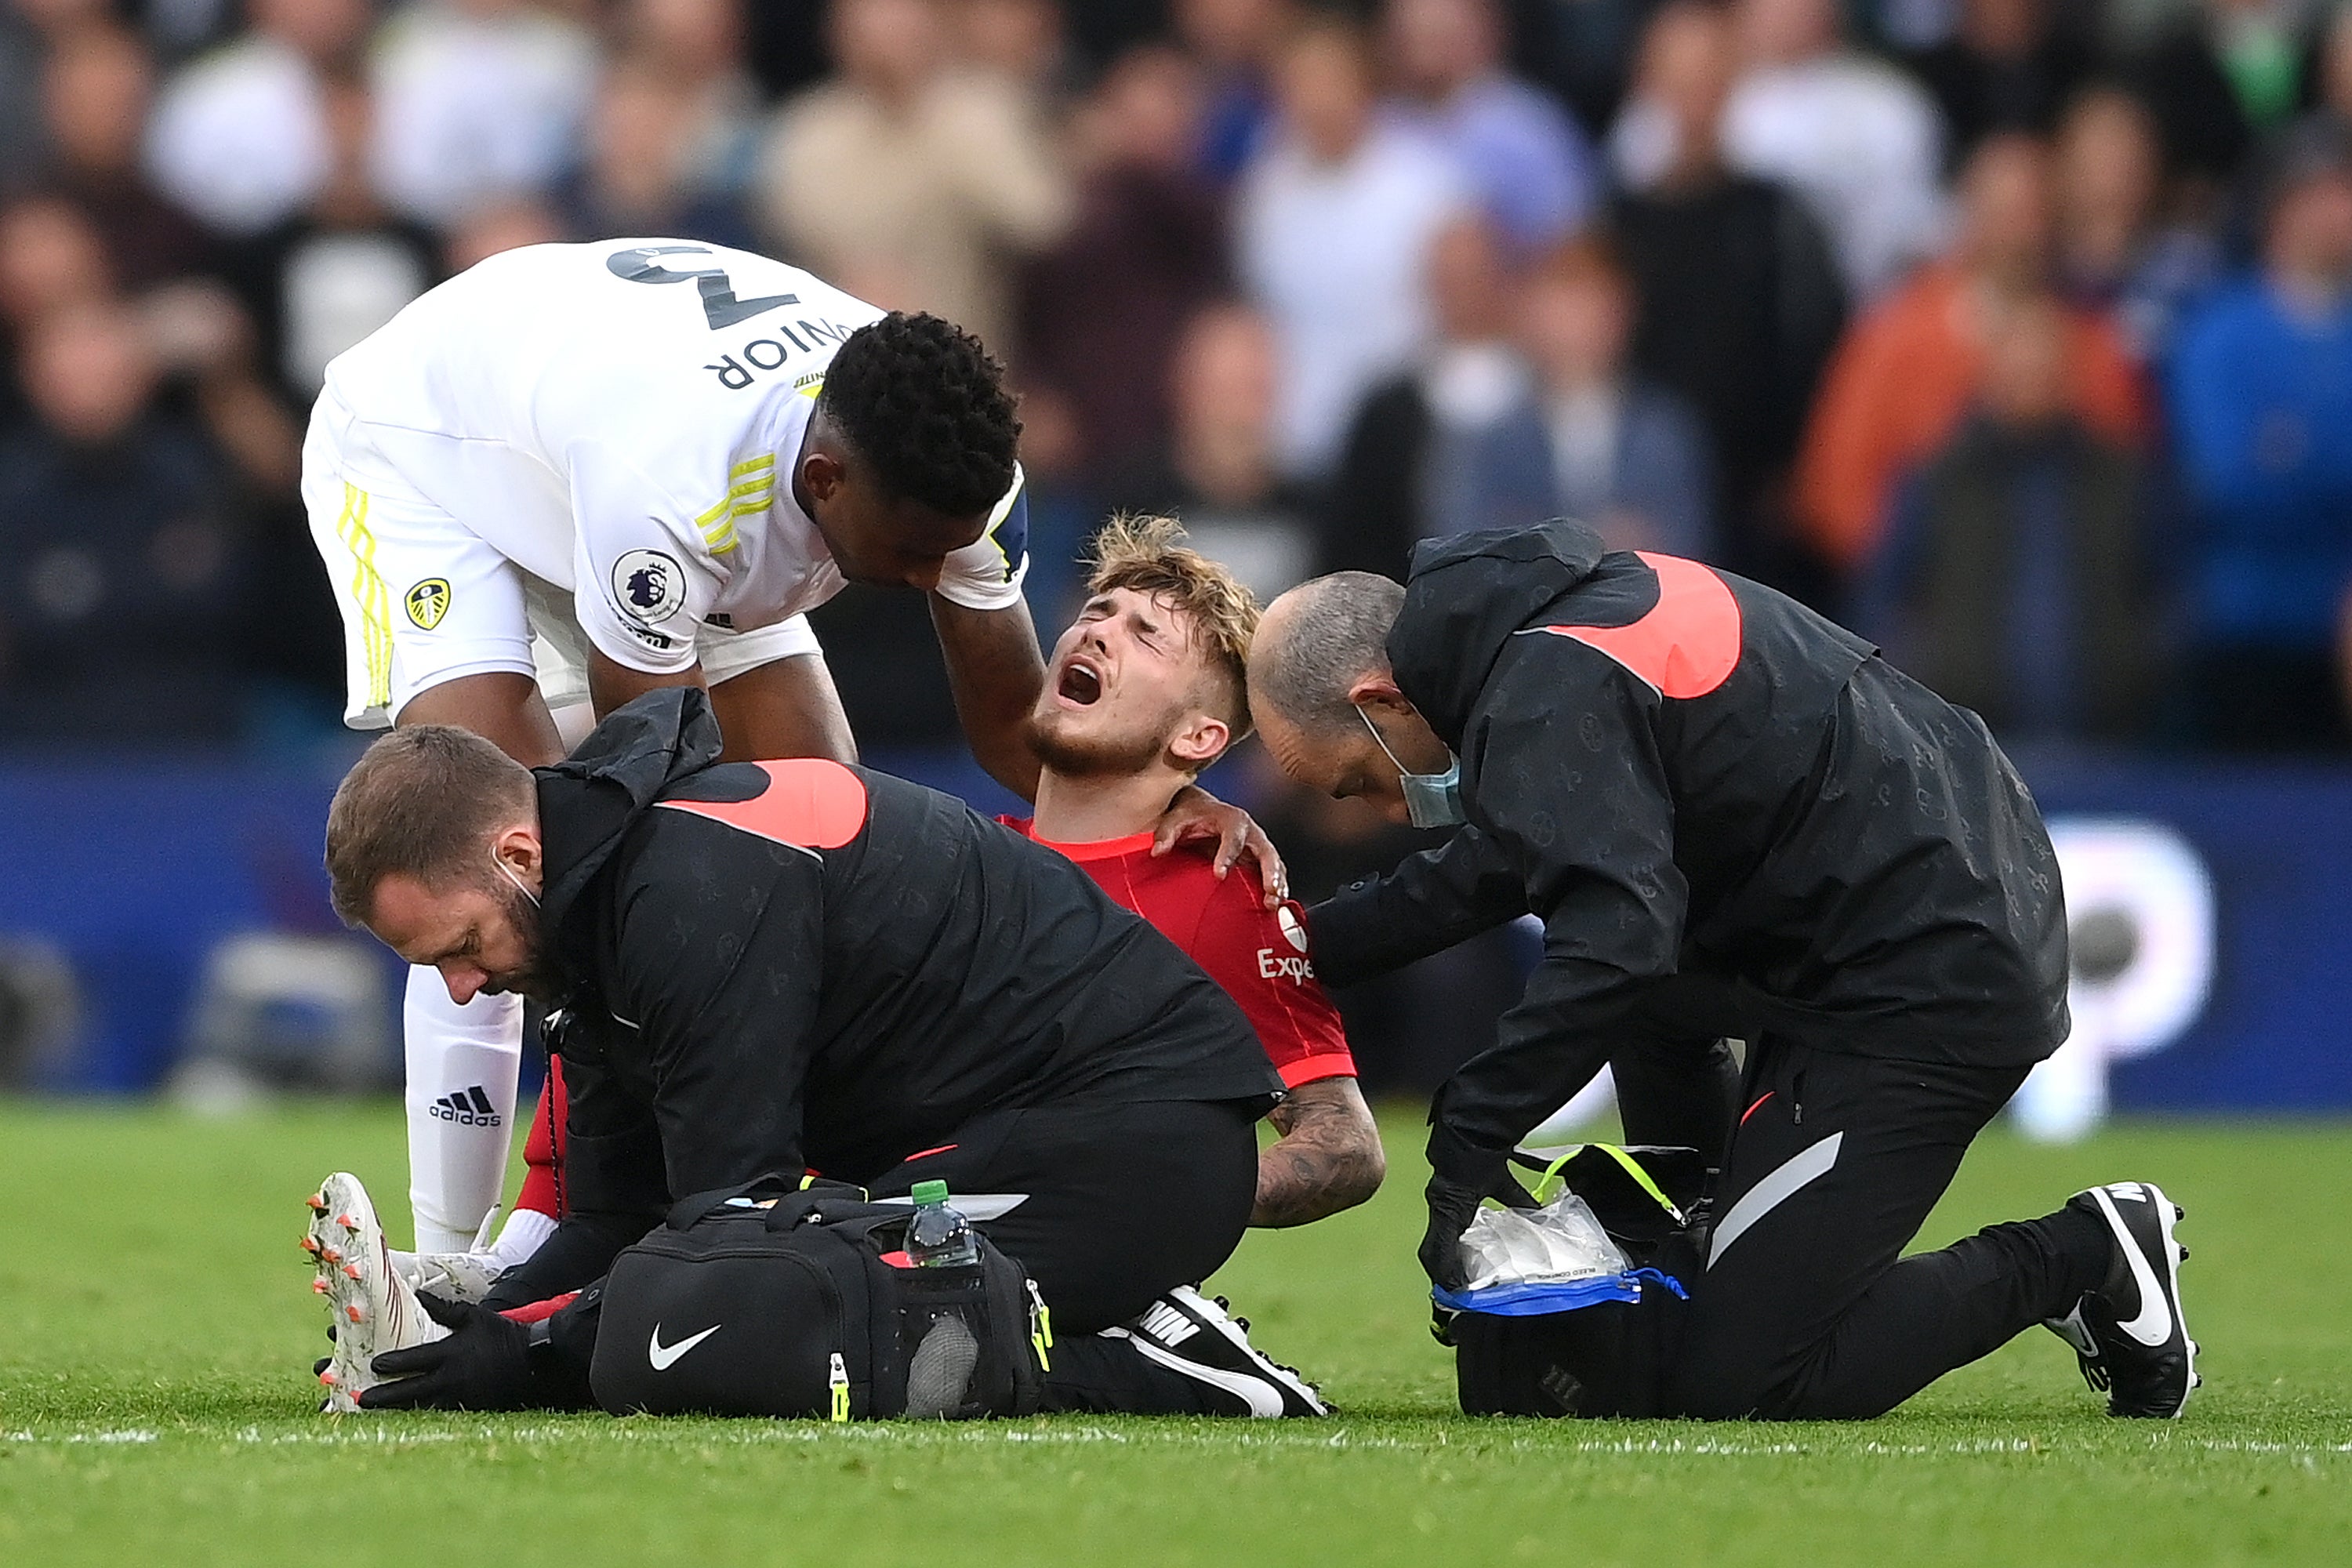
(1732, 817)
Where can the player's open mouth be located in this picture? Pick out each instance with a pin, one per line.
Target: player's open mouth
(1080, 685)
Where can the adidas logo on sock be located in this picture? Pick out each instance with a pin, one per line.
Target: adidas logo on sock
(1166, 1324)
(468, 1108)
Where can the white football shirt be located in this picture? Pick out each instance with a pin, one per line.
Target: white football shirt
(620, 420)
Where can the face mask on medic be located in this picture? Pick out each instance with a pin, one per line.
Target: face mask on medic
(504, 870)
(1431, 800)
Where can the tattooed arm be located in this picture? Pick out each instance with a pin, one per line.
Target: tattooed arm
(1328, 1158)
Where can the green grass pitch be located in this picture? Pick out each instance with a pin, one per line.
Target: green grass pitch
(157, 1330)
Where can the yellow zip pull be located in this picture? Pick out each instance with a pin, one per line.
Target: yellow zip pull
(1041, 1326)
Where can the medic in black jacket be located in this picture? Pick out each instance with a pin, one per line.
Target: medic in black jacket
(1734, 820)
(764, 968)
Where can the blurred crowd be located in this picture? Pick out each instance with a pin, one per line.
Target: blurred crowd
(2016, 333)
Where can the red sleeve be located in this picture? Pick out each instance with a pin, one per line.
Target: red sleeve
(542, 1184)
(1259, 957)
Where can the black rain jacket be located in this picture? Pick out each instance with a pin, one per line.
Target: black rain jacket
(1731, 815)
(843, 974)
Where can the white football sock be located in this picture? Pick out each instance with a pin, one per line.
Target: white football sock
(461, 1102)
(525, 1232)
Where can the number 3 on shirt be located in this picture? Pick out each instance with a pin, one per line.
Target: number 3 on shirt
(720, 308)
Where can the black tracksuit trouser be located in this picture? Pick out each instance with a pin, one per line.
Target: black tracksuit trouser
(1805, 1307)
(1117, 1204)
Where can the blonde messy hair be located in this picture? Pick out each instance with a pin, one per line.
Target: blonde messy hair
(1142, 554)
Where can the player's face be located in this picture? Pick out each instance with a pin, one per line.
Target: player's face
(483, 936)
(887, 541)
(1124, 681)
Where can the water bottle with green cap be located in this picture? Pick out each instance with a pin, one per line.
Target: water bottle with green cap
(938, 1237)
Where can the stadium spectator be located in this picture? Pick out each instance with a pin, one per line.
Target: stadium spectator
(239, 135)
(1220, 470)
(327, 275)
(915, 184)
(698, 48)
(50, 257)
(1403, 471)
(1591, 441)
(2017, 577)
(2009, 65)
(2224, 75)
(120, 550)
(477, 101)
(1740, 299)
(1854, 137)
(2117, 251)
(1526, 163)
(1583, 53)
(53, 259)
(639, 175)
(1022, 41)
(1333, 224)
(2261, 395)
(95, 91)
(1236, 42)
(1102, 310)
(1901, 380)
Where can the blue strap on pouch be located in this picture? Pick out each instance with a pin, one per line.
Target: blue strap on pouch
(1540, 1300)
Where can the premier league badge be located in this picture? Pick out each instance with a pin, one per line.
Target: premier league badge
(648, 586)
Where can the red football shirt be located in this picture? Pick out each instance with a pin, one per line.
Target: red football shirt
(1257, 955)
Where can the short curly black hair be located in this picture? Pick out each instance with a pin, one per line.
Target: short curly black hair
(925, 403)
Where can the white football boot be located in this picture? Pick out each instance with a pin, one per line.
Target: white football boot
(373, 1309)
(452, 1275)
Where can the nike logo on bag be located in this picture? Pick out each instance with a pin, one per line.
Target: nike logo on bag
(663, 1356)
(2154, 1324)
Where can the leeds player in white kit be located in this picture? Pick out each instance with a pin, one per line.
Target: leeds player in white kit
(578, 472)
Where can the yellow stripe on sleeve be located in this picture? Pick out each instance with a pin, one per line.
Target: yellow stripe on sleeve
(754, 490)
(369, 593)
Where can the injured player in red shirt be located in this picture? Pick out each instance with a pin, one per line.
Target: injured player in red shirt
(1144, 690)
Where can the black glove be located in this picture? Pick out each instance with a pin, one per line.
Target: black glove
(484, 1364)
(1452, 1207)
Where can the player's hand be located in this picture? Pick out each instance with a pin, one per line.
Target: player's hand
(484, 1364)
(1197, 813)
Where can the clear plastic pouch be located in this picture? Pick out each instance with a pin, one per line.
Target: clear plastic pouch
(1559, 1242)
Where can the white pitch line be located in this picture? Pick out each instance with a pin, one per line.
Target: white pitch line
(350, 1432)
